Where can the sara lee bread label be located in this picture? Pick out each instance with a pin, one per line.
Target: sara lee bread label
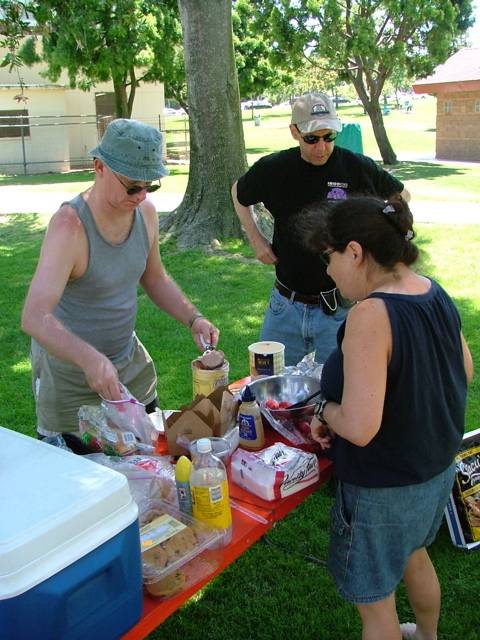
(463, 509)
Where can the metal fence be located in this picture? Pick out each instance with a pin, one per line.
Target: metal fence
(53, 143)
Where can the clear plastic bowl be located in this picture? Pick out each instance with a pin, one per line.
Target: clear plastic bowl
(221, 447)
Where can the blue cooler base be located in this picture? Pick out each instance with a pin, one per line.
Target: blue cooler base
(98, 597)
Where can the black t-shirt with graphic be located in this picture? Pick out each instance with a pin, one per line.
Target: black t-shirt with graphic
(286, 184)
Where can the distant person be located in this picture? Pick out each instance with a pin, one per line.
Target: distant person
(408, 105)
(305, 309)
(82, 303)
(393, 416)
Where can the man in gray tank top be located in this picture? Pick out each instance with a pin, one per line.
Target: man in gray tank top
(82, 303)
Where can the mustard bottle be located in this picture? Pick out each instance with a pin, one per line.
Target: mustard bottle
(182, 481)
(252, 436)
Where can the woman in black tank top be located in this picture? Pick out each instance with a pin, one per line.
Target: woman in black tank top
(392, 417)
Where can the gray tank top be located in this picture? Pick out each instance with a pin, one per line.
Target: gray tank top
(101, 306)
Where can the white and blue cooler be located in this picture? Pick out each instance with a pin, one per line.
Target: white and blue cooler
(70, 564)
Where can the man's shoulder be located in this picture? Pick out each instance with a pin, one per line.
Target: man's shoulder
(342, 154)
(65, 217)
(280, 158)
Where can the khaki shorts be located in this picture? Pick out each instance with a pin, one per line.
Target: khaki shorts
(60, 388)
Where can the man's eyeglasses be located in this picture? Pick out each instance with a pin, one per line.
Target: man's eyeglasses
(309, 138)
(325, 255)
(136, 188)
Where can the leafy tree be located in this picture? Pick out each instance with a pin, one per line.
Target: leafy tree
(217, 147)
(14, 25)
(110, 40)
(257, 76)
(365, 41)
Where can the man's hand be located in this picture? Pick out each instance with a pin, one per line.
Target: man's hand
(203, 328)
(263, 250)
(261, 246)
(321, 433)
(102, 377)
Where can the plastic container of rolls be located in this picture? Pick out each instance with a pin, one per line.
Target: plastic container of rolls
(177, 550)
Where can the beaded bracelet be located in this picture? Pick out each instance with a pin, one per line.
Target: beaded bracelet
(318, 411)
(194, 317)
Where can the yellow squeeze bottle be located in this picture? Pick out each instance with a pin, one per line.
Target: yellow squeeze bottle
(182, 481)
(209, 486)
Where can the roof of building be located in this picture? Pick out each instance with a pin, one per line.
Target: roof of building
(463, 67)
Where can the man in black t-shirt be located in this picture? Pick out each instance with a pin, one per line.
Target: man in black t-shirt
(304, 311)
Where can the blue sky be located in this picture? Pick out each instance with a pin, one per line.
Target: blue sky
(474, 35)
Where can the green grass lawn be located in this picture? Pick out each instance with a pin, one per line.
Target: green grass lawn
(279, 588)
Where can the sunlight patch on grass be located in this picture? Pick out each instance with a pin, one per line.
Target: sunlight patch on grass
(23, 366)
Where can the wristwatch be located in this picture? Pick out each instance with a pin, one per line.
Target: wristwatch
(318, 411)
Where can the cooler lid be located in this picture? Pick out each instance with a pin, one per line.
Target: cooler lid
(55, 507)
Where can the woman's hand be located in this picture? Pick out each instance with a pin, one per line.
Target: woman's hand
(321, 433)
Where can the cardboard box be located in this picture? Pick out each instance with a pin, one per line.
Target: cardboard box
(205, 417)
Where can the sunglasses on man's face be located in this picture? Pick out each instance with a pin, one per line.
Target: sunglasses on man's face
(136, 188)
(309, 138)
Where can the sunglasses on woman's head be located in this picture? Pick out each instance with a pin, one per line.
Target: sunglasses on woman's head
(309, 138)
(325, 255)
(136, 188)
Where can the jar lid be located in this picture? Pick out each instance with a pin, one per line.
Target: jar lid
(204, 445)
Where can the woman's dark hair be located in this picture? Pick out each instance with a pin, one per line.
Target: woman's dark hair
(384, 229)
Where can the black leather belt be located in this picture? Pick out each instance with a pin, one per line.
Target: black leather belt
(325, 299)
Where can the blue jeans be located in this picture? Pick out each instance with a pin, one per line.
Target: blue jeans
(302, 328)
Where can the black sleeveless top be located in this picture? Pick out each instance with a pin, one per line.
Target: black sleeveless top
(424, 410)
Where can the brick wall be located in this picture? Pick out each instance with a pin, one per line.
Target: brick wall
(458, 132)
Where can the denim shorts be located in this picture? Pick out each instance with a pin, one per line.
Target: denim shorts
(301, 327)
(373, 533)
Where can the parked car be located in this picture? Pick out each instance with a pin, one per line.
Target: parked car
(262, 103)
(341, 100)
(168, 111)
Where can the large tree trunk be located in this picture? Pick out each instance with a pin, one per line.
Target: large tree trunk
(121, 101)
(371, 105)
(386, 150)
(217, 147)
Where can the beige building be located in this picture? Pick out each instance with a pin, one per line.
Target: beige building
(60, 125)
(456, 85)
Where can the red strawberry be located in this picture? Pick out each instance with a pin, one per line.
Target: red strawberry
(304, 427)
(271, 404)
(284, 404)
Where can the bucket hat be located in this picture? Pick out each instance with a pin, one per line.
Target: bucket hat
(313, 111)
(133, 149)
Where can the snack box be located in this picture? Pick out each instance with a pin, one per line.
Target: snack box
(463, 508)
(177, 550)
(70, 564)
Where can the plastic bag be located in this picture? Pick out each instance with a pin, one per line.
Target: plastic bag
(101, 436)
(129, 415)
(286, 428)
(306, 367)
(275, 472)
(149, 477)
(57, 441)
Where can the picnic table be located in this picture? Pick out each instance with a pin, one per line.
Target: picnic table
(252, 518)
